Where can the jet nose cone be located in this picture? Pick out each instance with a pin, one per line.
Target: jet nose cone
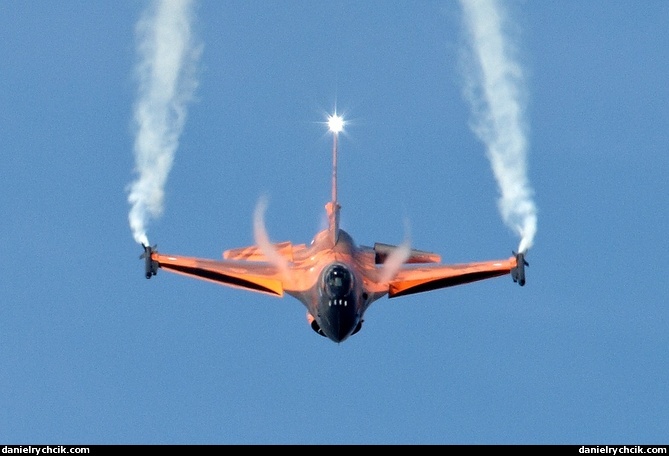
(338, 325)
(341, 335)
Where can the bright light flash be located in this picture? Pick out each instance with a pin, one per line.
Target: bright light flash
(336, 123)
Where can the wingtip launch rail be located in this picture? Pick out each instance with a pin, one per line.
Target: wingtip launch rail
(150, 266)
(518, 273)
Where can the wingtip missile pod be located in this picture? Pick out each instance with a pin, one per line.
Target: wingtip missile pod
(518, 273)
(150, 266)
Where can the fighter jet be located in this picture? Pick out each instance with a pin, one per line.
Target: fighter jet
(335, 278)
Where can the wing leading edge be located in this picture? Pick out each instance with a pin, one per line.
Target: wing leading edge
(258, 277)
(410, 280)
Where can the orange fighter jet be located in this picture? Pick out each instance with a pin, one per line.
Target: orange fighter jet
(336, 279)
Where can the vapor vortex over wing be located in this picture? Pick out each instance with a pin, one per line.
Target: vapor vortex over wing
(166, 75)
(262, 238)
(496, 92)
(397, 257)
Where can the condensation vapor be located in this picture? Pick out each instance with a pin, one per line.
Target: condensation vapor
(397, 258)
(262, 238)
(495, 87)
(167, 60)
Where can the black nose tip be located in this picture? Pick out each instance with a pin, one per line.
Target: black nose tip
(338, 329)
(341, 336)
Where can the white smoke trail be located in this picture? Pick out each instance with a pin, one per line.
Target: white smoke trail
(166, 74)
(496, 93)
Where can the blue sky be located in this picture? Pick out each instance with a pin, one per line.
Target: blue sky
(93, 353)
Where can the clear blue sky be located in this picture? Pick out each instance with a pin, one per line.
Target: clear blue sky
(91, 352)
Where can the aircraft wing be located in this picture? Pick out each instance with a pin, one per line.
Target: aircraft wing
(410, 279)
(249, 275)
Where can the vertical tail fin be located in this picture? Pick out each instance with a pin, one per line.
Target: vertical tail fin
(336, 125)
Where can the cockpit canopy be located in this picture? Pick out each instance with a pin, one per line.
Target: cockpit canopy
(338, 315)
(338, 281)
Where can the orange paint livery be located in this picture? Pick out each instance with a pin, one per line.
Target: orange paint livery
(336, 279)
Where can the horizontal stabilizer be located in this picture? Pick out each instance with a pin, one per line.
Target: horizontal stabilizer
(416, 256)
(255, 253)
